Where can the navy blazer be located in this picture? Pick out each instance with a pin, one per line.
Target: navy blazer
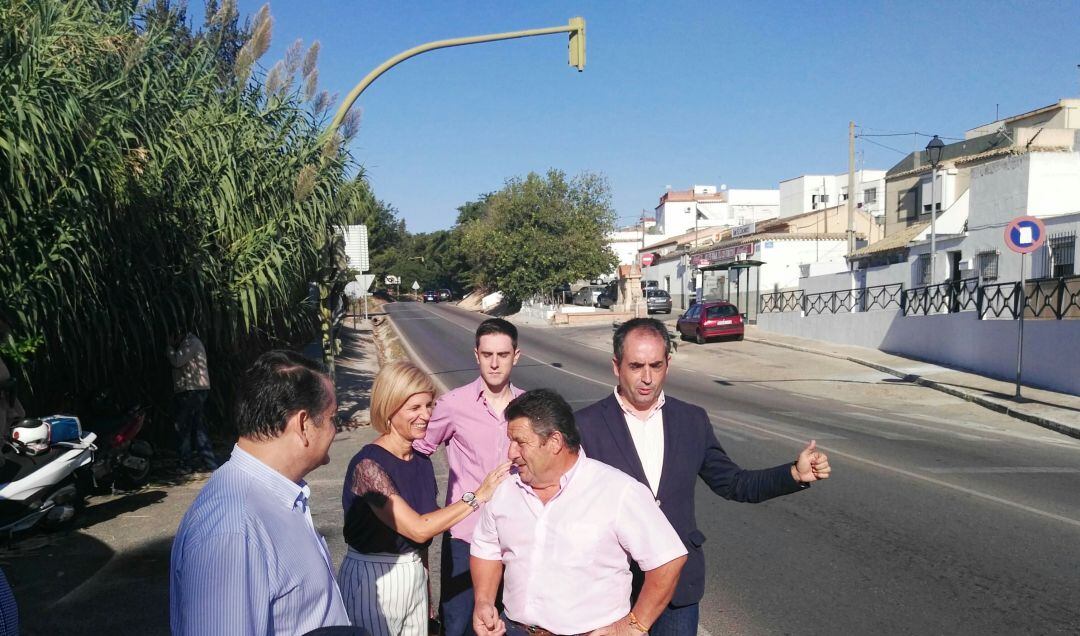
(690, 451)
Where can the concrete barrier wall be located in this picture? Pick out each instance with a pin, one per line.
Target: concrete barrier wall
(986, 347)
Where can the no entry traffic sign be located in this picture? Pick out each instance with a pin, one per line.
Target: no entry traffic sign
(1025, 234)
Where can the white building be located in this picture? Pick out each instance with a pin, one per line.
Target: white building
(625, 243)
(1027, 165)
(680, 211)
(737, 264)
(814, 191)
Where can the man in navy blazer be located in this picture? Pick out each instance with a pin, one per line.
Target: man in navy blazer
(667, 444)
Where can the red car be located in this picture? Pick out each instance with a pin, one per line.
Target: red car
(711, 319)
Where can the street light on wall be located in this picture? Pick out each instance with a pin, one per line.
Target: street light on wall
(933, 152)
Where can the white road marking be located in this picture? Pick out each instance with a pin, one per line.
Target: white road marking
(978, 494)
(974, 426)
(1002, 470)
(738, 417)
(873, 432)
(866, 408)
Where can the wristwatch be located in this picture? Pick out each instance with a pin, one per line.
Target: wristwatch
(470, 498)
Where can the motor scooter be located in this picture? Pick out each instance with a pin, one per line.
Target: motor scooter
(39, 473)
(122, 460)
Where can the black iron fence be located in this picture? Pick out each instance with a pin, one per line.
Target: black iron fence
(1047, 299)
(944, 298)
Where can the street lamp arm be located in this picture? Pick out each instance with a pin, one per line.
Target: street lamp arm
(575, 25)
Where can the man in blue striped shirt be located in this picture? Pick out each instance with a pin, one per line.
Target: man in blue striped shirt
(247, 559)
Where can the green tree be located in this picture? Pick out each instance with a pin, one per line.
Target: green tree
(539, 232)
(146, 193)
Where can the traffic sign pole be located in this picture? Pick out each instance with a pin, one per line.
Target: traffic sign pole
(1022, 302)
(1023, 235)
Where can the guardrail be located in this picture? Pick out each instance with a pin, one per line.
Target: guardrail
(1046, 299)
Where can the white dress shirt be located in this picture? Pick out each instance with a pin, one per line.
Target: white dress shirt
(648, 436)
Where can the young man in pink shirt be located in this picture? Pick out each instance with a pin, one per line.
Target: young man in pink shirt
(469, 420)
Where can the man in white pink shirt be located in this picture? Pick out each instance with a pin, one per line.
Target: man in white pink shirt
(565, 528)
(469, 420)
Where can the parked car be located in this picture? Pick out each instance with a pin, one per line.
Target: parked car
(609, 296)
(562, 295)
(657, 300)
(588, 296)
(431, 296)
(649, 284)
(710, 319)
(444, 294)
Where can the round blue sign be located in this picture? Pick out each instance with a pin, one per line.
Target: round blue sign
(1025, 234)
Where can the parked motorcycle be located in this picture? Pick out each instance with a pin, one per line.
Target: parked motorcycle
(122, 461)
(40, 465)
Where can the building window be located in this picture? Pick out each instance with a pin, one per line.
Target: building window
(922, 270)
(987, 263)
(1060, 255)
(869, 196)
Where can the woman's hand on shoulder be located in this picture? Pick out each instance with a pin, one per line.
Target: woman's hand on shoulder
(492, 481)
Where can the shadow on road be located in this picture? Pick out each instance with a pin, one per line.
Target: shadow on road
(68, 582)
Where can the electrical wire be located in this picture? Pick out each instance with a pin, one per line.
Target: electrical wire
(871, 141)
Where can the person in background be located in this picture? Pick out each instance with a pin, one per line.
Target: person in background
(469, 421)
(247, 560)
(191, 388)
(391, 514)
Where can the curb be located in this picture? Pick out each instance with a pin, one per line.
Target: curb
(984, 402)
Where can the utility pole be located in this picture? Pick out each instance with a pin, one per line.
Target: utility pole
(851, 188)
(643, 228)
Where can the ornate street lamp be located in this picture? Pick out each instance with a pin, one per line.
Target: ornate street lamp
(933, 152)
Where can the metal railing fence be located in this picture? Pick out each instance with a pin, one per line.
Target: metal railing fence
(1046, 298)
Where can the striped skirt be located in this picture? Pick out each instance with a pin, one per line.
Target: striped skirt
(385, 594)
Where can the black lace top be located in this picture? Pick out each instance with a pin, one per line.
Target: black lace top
(374, 474)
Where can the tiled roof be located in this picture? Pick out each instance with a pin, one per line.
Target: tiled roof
(892, 242)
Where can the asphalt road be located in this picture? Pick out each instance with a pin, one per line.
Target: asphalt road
(941, 517)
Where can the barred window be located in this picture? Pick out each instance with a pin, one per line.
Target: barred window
(870, 196)
(922, 270)
(987, 264)
(1062, 254)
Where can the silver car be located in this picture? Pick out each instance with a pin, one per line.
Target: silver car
(657, 300)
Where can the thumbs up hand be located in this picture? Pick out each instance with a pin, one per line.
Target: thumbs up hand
(811, 464)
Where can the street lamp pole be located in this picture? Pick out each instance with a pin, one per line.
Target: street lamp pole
(933, 151)
(575, 27)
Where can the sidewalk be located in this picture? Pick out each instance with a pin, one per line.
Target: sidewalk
(1056, 411)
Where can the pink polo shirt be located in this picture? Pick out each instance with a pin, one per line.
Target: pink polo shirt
(566, 566)
(476, 443)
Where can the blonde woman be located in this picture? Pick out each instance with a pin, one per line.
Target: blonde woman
(390, 510)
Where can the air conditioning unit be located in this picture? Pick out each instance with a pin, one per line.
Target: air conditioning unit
(967, 265)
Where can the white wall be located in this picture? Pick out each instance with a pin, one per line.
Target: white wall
(827, 283)
(1043, 184)
(626, 246)
(987, 347)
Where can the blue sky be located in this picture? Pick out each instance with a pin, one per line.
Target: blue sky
(674, 93)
